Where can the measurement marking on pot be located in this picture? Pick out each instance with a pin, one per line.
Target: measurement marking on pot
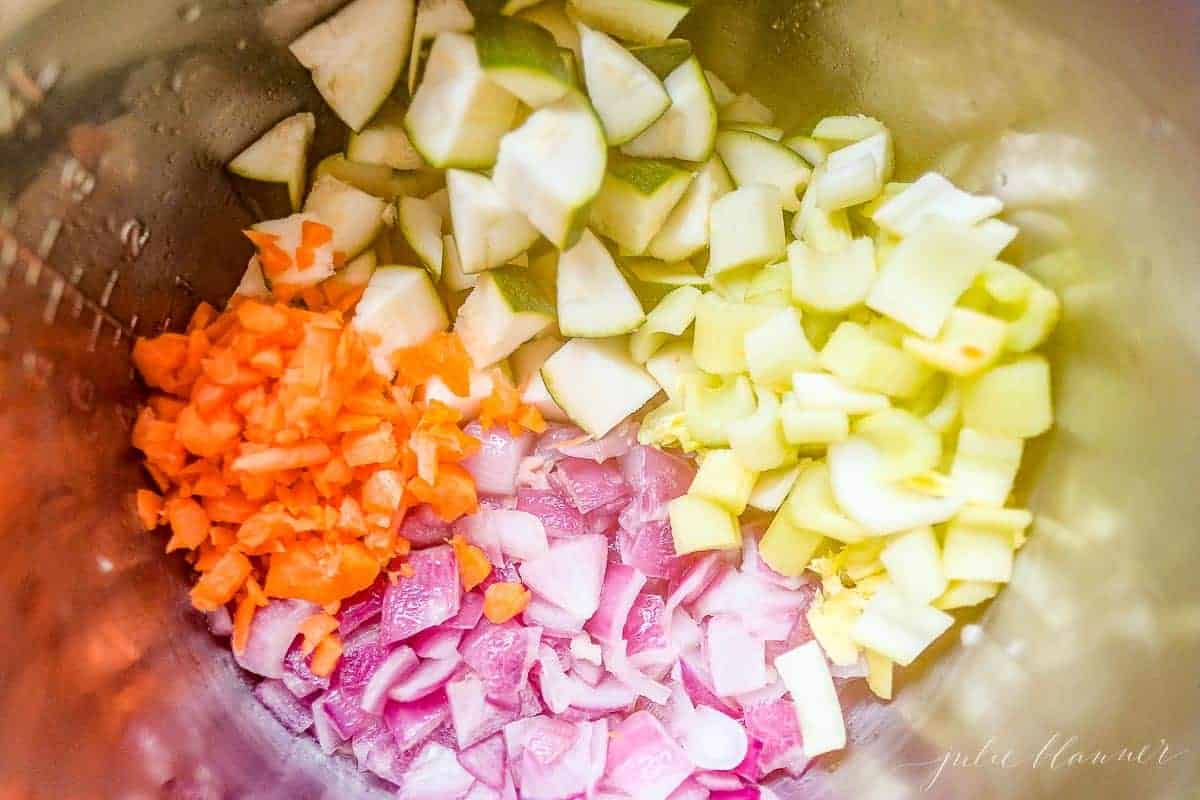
(50, 311)
(106, 295)
(94, 339)
(76, 277)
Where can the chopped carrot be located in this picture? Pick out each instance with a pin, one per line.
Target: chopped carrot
(503, 601)
(315, 234)
(159, 359)
(504, 407)
(242, 618)
(218, 585)
(441, 355)
(149, 506)
(315, 629)
(321, 574)
(325, 658)
(189, 524)
(451, 497)
(473, 565)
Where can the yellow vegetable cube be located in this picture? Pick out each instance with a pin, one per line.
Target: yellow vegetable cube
(697, 525)
(977, 554)
(722, 479)
(1011, 399)
(788, 549)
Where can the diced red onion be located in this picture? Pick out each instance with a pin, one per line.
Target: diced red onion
(547, 739)
(690, 790)
(551, 618)
(272, 631)
(589, 673)
(413, 723)
(617, 661)
(486, 761)
(617, 596)
(395, 666)
(851, 671)
(774, 690)
(548, 770)
(344, 708)
(694, 675)
(502, 656)
(719, 781)
(736, 660)
(439, 642)
(294, 715)
(219, 622)
(494, 467)
(430, 597)
(665, 476)
(298, 677)
(644, 626)
(362, 608)
(651, 549)
(619, 441)
(435, 775)
(481, 791)
(559, 516)
(584, 649)
(423, 528)
(478, 530)
(558, 691)
(685, 633)
(714, 741)
(362, 655)
(694, 581)
(327, 733)
(608, 696)
(643, 761)
(426, 678)
(589, 485)
(470, 610)
(474, 718)
(555, 436)
(777, 727)
(522, 535)
(570, 575)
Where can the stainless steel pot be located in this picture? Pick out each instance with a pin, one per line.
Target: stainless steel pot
(116, 218)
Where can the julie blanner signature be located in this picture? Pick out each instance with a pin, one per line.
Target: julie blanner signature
(1059, 752)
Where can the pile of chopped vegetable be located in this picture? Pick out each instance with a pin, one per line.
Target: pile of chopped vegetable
(788, 400)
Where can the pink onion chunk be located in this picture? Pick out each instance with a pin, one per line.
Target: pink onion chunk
(298, 677)
(345, 711)
(570, 574)
(362, 655)
(656, 479)
(412, 723)
(495, 466)
(502, 655)
(643, 761)
(427, 677)
(423, 528)
(292, 714)
(698, 683)
(651, 548)
(694, 581)
(719, 781)
(589, 485)
(617, 596)
(559, 516)
(473, 716)
(439, 642)
(435, 774)
(606, 697)
(556, 436)
(399, 663)
(615, 444)
(470, 611)
(328, 736)
(736, 659)
(555, 760)
(558, 690)
(776, 726)
(644, 628)
(714, 741)
(362, 608)
(430, 597)
(552, 619)
(522, 535)
(272, 632)
(690, 790)
(486, 761)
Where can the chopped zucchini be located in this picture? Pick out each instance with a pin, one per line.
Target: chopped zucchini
(932, 195)
(969, 342)
(909, 446)
(503, 311)
(453, 276)
(355, 216)
(669, 365)
(377, 179)
(809, 149)
(897, 627)
(488, 230)
(745, 107)
(670, 318)
(280, 156)
(597, 384)
(1011, 399)
(523, 58)
(787, 548)
(720, 336)
(777, 349)
(686, 230)
(754, 159)
(847, 128)
(811, 507)
(746, 229)
(864, 361)
(914, 563)
(758, 439)
(688, 129)
(400, 308)
(356, 56)
(710, 405)
(553, 17)
(422, 229)
(819, 391)
(626, 93)
(552, 168)
(594, 300)
(435, 17)
(384, 141)
(458, 116)
(985, 466)
(641, 21)
(662, 59)
(636, 199)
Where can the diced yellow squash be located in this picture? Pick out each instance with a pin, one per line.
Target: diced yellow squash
(724, 480)
(832, 282)
(758, 440)
(777, 349)
(969, 341)
(711, 404)
(985, 466)
(720, 334)
(897, 627)
(812, 426)
(1011, 399)
(914, 563)
(698, 525)
(879, 674)
(909, 446)
(964, 594)
(862, 360)
(977, 554)
(811, 506)
(788, 549)
(773, 486)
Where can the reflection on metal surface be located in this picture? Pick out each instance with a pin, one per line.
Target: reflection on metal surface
(1086, 119)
